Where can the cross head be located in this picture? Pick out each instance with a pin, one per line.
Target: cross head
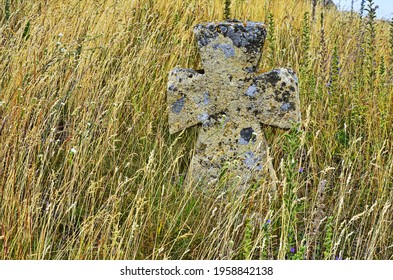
(231, 102)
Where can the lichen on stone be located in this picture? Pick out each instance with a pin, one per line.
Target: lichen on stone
(231, 102)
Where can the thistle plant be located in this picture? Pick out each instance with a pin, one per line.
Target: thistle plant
(265, 242)
(308, 79)
(327, 244)
(7, 12)
(292, 204)
(247, 240)
(391, 41)
(334, 72)
(271, 38)
(382, 67)
(322, 55)
(371, 45)
(362, 5)
(318, 216)
(300, 253)
(314, 7)
(26, 31)
(352, 11)
(227, 9)
(305, 43)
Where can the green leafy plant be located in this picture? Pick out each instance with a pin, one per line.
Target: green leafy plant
(247, 240)
(391, 41)
(7, 8)
(271, 38)
(292, 205)
(305, 42)
(371, 37)
(327, 243)
(227, 9)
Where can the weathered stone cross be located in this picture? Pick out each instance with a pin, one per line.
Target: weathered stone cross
(230, 101)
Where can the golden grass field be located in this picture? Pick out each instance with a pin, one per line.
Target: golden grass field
(88, 169)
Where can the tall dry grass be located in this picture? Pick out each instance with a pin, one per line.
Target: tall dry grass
(88, 169)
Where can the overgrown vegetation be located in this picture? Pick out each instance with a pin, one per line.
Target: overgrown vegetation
(88, 169)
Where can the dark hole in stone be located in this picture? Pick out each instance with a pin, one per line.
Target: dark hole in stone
(257, 112)
(280, 96)
(273, 77)
(172, 88)
(251, 69)
(201, 71)
(247, 134)
(202, 146)
(292, 88)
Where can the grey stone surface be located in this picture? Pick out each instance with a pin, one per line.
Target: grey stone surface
(231, 102)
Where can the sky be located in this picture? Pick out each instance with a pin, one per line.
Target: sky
(385, 7)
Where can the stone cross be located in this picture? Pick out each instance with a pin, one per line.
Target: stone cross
(231, 102)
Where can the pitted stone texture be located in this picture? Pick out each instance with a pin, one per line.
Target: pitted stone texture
(231, 102)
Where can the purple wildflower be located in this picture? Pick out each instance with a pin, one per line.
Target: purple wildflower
(293, 250)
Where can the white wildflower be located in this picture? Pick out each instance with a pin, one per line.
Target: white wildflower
(150, 160)
(213, 212)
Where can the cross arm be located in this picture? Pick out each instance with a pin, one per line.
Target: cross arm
(188, 99)
(273, 98)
